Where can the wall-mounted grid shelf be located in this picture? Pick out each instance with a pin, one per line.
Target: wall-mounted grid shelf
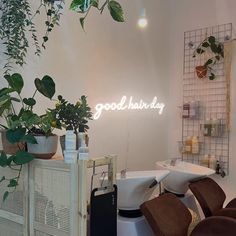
(211, 94)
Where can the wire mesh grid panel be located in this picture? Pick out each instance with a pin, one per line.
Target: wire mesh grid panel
(9, 228)
(51, 199)
(208, 97)
(14, 202)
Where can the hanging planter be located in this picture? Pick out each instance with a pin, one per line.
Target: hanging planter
(217, 49)
(201, 71)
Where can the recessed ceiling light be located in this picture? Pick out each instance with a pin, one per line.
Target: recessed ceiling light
(142, 21)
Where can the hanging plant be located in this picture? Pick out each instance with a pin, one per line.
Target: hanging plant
(18, 30)
(217, 48)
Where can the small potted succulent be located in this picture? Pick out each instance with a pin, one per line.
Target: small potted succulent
(72, 116)
(217, 49)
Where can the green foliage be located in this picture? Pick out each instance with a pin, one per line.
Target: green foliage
(72, 116)
(84, 7)
(217, 48)
(116, 11)
(20, 124)
(18, 31)
(46, 86)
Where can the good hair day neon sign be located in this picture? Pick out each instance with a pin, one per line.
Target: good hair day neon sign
(128, 104)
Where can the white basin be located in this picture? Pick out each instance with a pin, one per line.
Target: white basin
(180, 175)
(134, 189)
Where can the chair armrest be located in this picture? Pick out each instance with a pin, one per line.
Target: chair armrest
(215, 226)
(231, 204)
(228, 212)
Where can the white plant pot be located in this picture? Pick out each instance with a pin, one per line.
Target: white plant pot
(45, 148)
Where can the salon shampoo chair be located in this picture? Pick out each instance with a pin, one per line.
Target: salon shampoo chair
(211, 198)
(168, 216)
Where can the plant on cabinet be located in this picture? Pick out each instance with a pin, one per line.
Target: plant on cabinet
(19, 121)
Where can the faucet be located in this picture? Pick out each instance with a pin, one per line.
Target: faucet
(123, 173)
(174, 160)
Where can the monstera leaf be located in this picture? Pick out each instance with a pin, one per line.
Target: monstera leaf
(45, 86)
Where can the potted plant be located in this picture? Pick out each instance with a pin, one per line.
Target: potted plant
(47, 142)
(217, 49)
(72, 116)
(19, 120)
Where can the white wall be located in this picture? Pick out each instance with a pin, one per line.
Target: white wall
(108, 61)
(186, 15)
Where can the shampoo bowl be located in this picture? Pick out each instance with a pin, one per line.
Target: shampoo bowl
(181, 174)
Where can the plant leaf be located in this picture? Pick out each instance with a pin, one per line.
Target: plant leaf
(22, 157)
(205, 44)
(212, 39)
(82, 22)
(46, 86)
(29, 138)
(15, 135)
(94, 3)
(208, 62)
(15, 81)
(76, 4)
(212, 76)
(5, 195)
(13, 183)
(3, 160)
(116, 11)
(2, 179)
(9, 160)
(29, 101)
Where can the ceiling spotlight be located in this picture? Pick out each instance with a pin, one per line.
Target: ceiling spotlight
(142, 21)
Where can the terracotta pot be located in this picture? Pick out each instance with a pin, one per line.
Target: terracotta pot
(201, 71)
(45, 148)
(8, 147)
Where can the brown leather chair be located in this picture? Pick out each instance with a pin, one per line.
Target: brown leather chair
(211, 198)
(168, 216)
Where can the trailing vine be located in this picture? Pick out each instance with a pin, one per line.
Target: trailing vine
(18, 30)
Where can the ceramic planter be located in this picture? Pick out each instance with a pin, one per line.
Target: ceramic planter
(45, 148)
(8, 147)
(201, 72)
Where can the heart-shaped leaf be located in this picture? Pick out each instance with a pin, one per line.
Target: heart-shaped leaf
(29, 101)
(116, 11)
(15, 135)
(15, 81)
(22, 157)
(46, 86)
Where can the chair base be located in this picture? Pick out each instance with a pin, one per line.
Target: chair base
(133, 226)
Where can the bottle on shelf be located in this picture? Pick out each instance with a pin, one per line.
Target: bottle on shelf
(212, 162)
(205, 161)
(194, 110)
(195, 145)
(207, 127)
(83, 153)
(186, 110)
(215, 125)
(188, 145)
(70, 142)
(70, 153)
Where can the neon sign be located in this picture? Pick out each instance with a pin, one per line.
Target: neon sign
(128, 104)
